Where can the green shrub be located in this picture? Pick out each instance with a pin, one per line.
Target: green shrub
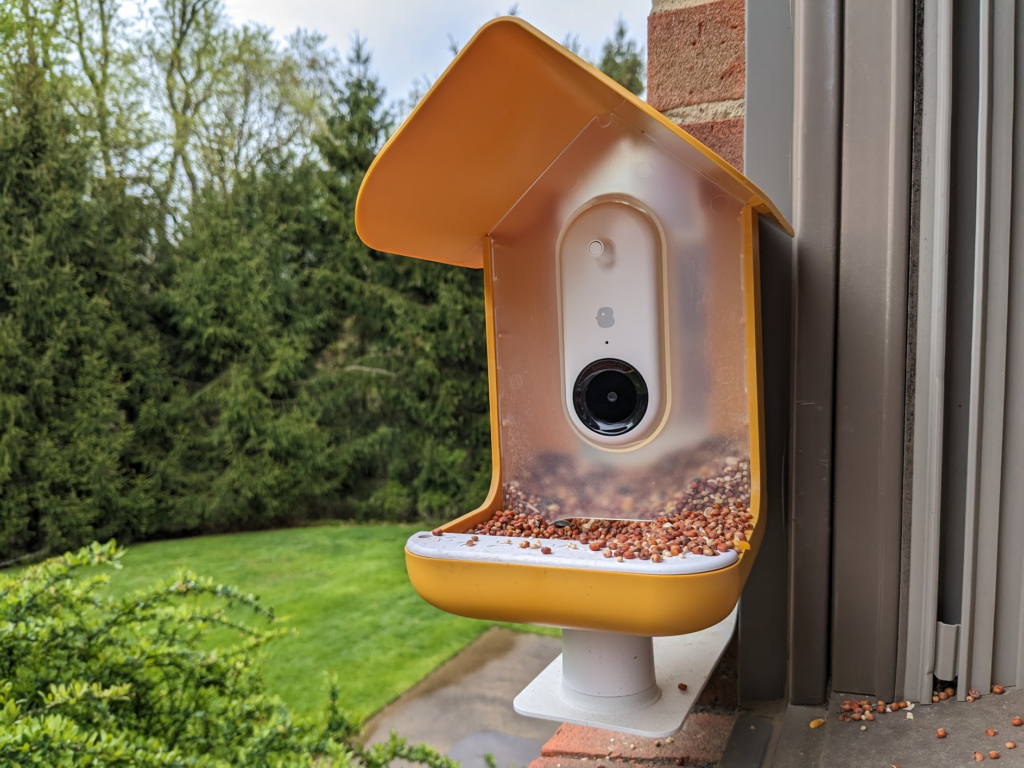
(87, 680)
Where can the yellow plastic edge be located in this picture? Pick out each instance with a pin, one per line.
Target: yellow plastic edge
(759, 200)
(630, 603)
(493, 502)
(755, 381)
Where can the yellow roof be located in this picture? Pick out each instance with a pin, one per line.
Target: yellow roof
(505, 108)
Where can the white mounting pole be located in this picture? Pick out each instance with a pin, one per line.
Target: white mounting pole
(608, 672)
(626, 683)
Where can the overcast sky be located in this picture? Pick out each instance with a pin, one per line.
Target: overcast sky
(409, 38)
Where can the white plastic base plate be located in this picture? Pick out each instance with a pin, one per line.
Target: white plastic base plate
(686, 659)
(500, 549)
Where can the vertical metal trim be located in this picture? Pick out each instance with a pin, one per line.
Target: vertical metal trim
(762, 620)
(988, 352)
(913, 267)
(816, 156)
(977, 355)
(1017, 277)
(929, 394)
(999, 197)
(768, 118)
(768, 140)
(894, 402)
(947, 638)
(871, 349)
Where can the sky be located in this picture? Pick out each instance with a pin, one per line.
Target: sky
(409, 38)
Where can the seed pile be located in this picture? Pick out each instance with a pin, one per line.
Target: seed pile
(856, 711)
(853, 710)
(559, 487)
(710, 516)
(946, 693)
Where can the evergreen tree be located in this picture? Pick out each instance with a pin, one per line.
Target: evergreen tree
(228, 355)
(622, 59)
(234, 441)
(74, 351)
(410, 361)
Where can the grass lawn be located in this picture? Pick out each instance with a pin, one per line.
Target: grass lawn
(344, 588)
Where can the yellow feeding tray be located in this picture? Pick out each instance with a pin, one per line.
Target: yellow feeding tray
(623, 332)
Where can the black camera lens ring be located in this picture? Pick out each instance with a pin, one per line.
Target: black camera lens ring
(610, 374)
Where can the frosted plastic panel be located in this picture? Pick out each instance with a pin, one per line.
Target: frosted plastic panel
(702, 422)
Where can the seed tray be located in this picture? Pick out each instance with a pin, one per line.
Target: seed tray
(494, 549)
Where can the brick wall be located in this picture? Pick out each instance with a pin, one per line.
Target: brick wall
(696, 69)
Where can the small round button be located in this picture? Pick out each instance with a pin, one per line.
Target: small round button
(596, 248)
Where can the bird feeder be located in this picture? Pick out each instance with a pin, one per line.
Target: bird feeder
(620, 261)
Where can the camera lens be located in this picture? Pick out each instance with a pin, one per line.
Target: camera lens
(610, 397)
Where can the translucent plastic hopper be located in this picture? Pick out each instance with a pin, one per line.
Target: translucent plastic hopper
(622, 288)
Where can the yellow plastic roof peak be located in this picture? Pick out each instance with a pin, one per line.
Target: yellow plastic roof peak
(507, 105)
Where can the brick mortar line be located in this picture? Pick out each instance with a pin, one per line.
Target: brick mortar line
(676, 5)
(707, 112)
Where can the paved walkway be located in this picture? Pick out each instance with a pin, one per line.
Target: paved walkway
(464, 707)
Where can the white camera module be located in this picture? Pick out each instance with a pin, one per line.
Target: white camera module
(610, 275)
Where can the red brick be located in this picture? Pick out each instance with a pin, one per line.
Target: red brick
(701, 740)
(725, 137)
(696, 55)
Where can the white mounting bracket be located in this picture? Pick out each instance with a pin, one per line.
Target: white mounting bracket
(626, 683)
